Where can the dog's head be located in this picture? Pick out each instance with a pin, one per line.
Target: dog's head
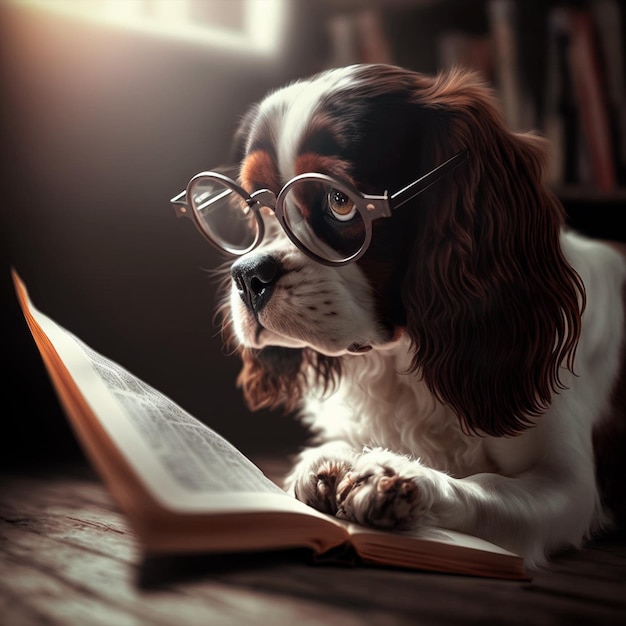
(471, 270)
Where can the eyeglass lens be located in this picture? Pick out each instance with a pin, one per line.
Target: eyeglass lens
(325, 220)
(224, 215)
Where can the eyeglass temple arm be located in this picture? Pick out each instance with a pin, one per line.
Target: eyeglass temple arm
(179, 202)
(421, 184)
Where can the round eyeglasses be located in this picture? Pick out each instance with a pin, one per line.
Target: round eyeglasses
(329, 220)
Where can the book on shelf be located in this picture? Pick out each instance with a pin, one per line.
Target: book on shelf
(185, 489)
(358, 37)
(517, 105)
(577, 116)
(590, 93)
(561, 124)
(608, 17)
(457, 48)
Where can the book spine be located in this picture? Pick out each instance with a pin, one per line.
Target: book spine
(588, 87)
(503, 21)
(561, 116)
(459, 49)
(609, 21)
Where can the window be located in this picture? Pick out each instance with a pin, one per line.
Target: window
(254, 27)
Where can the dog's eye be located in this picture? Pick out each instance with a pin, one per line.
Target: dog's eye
(342, 207)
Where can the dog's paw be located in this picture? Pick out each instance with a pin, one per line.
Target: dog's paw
(315, 478)
(386, 491)
(318, 487)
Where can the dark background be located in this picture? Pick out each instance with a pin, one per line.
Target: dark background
(100, 127)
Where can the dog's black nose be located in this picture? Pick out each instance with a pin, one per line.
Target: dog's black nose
(255, 278)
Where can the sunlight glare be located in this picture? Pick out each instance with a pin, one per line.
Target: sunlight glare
(254, 27)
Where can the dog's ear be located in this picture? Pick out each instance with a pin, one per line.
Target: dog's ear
(493, 306)
(270, 377)
(276, 376)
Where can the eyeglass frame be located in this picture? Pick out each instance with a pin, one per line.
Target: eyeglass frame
(370, 207)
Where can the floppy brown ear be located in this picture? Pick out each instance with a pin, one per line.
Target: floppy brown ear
(270, 377)
(493, 306)
(276, 376)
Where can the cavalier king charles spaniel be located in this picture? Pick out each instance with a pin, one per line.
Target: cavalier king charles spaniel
(405, 281)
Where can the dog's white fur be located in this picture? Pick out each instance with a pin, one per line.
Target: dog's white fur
(387, 450)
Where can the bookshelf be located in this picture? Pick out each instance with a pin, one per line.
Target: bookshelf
(558, 66)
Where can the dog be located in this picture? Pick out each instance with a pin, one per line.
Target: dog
(460, 359)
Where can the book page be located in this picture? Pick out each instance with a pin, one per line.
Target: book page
(184, 464)
(427, 533)
(437, 549)
(195, 457)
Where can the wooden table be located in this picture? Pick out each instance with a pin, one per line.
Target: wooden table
(68, 557)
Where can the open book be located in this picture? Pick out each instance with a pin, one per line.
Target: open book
(186, 489)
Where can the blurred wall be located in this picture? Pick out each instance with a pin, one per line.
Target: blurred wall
(100, 127)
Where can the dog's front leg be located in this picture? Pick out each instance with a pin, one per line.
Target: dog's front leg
(319, 470)
(531, 514)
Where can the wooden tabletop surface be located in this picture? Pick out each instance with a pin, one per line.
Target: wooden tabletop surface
(68, 557)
